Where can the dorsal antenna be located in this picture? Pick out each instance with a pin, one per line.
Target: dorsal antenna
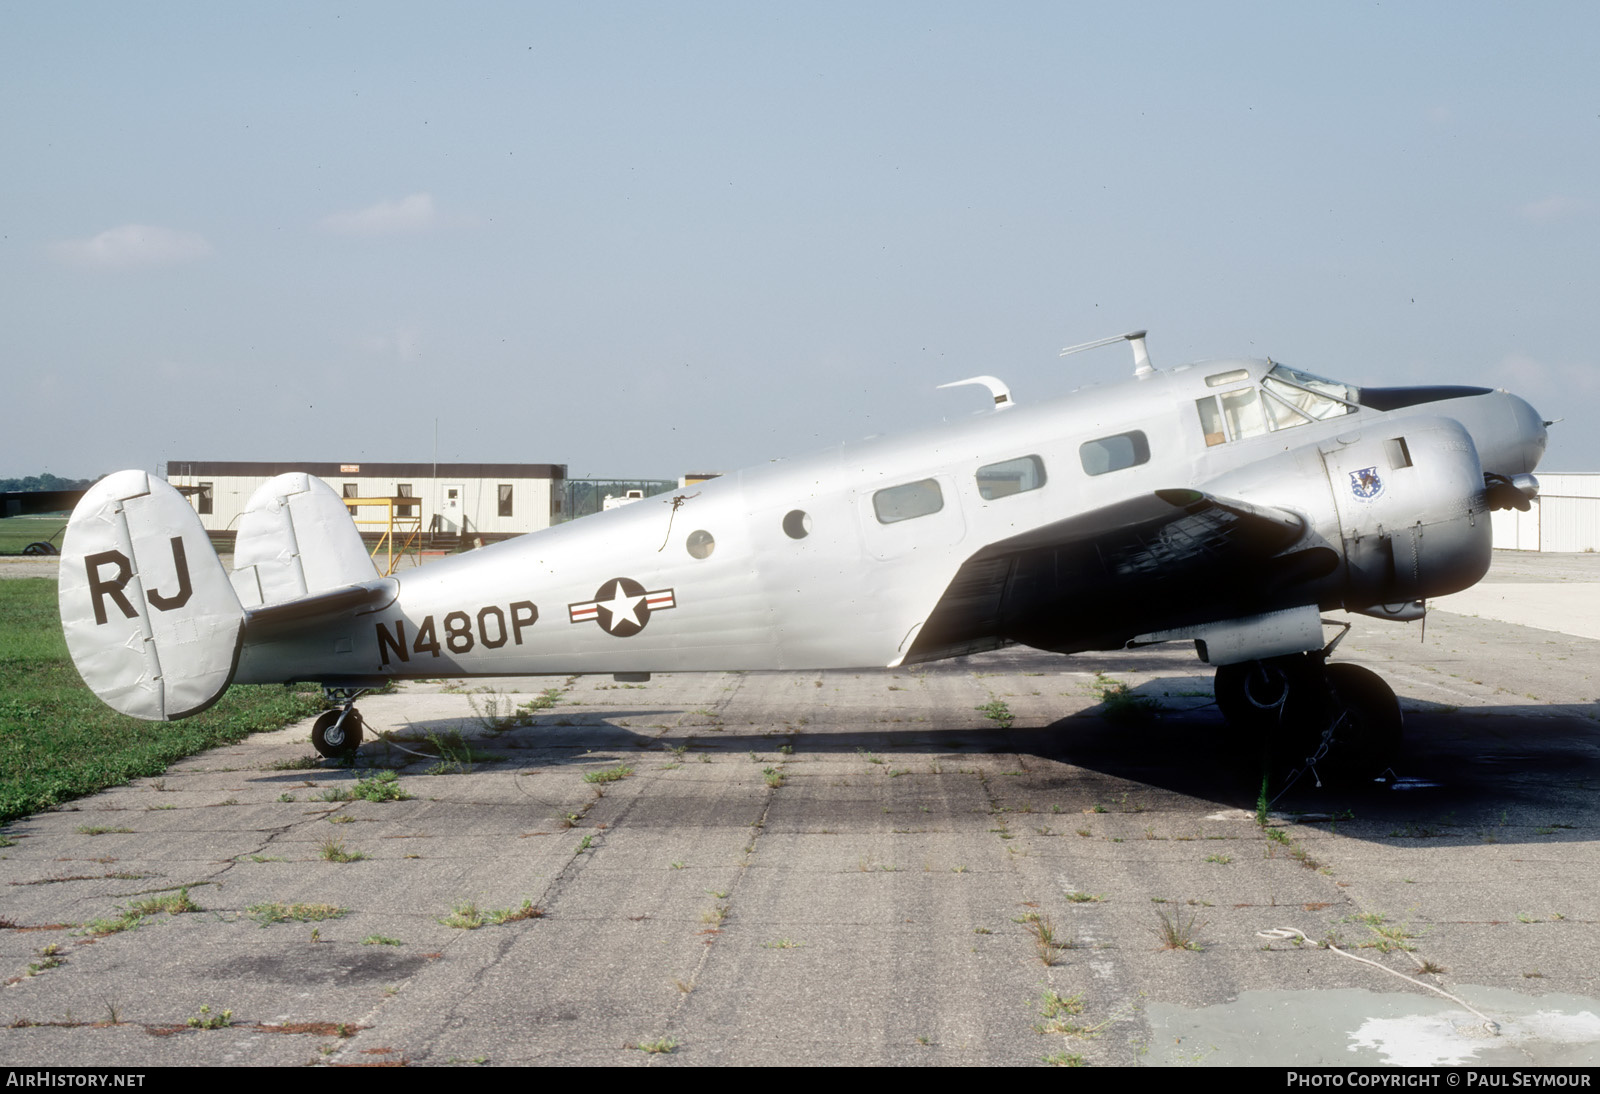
(1141, 357)
(996, 386)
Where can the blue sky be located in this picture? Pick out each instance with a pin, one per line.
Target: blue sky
(643, 239)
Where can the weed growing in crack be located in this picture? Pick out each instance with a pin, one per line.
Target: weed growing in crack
(1176, 933)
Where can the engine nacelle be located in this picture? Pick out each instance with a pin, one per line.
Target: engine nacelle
(1413, 519)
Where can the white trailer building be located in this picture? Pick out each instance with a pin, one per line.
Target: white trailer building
(486, 501)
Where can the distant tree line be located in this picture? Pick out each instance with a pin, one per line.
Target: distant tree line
(47, 481)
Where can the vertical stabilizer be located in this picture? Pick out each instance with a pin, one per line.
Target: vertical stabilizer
(296, 539)
(149, 616)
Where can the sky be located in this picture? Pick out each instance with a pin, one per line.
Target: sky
(642, 239)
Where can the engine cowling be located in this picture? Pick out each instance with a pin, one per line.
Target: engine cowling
(1413, 519)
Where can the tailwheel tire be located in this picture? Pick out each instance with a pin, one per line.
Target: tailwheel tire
(334, 739)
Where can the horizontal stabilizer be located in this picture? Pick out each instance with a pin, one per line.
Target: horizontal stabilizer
(277, 620)
(148, 613)
(296, 539)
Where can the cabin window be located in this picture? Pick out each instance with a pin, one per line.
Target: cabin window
(1114, 453)
(797, 524)
(1018, 476)
(912, 499)
(700, 544)
(505, 499)
(203, 499)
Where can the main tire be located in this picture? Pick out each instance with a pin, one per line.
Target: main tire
(1371, 727)
(336, 740)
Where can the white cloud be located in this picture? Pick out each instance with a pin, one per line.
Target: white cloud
(410, 214)
(132, 246)
(1555, 207)
(403, 344)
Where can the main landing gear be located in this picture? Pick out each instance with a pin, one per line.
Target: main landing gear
(1339, 722)
(337, 733)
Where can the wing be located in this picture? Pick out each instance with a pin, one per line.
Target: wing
(1094, 581)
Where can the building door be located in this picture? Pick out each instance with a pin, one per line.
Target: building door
(450, 508)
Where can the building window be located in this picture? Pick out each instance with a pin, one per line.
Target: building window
(203, 500)
(913, 499)
(350, 490)
(1114, 453)
(505, 499)
(404, 490)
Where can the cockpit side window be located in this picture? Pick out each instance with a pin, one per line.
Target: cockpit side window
(1287, 398)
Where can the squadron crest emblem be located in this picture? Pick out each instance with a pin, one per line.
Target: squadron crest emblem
(1365, 484)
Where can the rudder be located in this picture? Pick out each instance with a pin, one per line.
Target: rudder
(150, 618)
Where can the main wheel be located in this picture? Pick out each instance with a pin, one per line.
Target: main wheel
(1252, 694)
(337, 739)
(1370, 727)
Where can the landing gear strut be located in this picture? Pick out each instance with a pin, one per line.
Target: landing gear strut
(1339, 722)
(337, 733)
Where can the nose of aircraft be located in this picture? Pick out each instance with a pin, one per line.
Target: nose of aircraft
(1528, 428)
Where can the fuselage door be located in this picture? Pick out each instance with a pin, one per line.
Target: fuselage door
(902, 518)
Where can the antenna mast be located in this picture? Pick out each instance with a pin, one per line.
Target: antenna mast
(1141, 358)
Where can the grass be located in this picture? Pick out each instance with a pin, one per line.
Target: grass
(773, 776)
(1078, 897)
(207, 1020)
(333, 850)
(465, 915)
(381, 940)
(1045, 941)
(659, 1046)
(997, 712)
(609, 775)
(496, 714)
(1176, 933)
(59, 742)
(133, 916)
(174, 904)
(1059, 1011)
(1120, 702)
(1065, 1059)
(267, 914)
(381, 786)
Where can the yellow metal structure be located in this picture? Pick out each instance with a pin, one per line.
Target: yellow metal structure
(393, 526)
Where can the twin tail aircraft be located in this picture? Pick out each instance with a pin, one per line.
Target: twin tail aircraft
(1228, 504)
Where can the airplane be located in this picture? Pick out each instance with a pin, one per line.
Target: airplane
(1228, 503)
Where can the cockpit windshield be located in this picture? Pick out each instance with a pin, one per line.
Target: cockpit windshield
(1287, 398)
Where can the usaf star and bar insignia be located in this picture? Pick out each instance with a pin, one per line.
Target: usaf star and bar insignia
(622, 607)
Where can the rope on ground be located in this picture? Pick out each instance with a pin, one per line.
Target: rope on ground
(1284, 934)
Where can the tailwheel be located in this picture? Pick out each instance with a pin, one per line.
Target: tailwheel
(337, 733)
